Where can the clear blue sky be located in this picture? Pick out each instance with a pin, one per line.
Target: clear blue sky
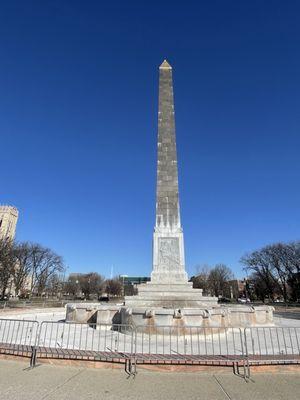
(78, 125)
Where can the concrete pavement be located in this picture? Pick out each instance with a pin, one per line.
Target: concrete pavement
(63, 382)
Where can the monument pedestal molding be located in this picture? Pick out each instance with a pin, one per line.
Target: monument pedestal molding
(189, 320)
(169, 298)
(155, 319)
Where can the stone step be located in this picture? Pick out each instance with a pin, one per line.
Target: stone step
(154, 287)
(173, 295)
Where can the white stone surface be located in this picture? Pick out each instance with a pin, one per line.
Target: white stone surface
(169, 286)
(168, 257)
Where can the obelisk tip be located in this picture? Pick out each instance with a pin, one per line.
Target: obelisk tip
(165, 65)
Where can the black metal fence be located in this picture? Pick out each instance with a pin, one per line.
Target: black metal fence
(239, 347)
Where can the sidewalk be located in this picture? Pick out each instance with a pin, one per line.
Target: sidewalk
(62, 382)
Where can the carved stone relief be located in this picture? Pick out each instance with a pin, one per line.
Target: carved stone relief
(168, 252)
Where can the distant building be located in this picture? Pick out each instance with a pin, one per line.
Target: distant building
(135, 280)
(8, 222)
(131, 283)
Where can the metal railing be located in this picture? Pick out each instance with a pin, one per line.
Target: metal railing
(190, 345)
(93, 342)
(86, 337)
(18, 332)
(18, 337)
(272, 344)
(140, 345)
(189, 341)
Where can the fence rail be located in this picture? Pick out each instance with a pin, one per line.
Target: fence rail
(272, 345)
(189, 341)
(132, 345)
(15, 331)
(85, 339)
(18, 337)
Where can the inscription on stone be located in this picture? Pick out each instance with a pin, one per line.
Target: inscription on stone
(168, 252)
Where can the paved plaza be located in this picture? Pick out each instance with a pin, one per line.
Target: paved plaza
(72, 382)
(35, 314)
(61, 383)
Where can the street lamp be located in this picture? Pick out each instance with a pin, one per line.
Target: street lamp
(123, 278)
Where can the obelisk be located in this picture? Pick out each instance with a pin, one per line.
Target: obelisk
(168, 245)
(169, 286)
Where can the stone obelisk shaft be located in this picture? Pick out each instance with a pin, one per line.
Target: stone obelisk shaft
(168, 248)
(167, 199)
(169, 286)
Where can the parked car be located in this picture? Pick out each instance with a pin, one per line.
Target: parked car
(243, 300)
(223, 300)
(279, 300)
(104, 298)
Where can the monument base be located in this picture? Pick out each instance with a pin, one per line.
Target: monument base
(189, 320)
(169, 296)
(175, 320)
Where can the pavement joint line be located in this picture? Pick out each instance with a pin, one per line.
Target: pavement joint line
(61, 385)
(222, 388)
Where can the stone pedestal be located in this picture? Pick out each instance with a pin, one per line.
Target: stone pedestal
(168, 256)
(81, 312)
(169, 296)
(189, 320)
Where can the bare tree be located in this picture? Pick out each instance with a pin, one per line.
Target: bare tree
(292, 266)
(91, 283)
(72, 286)
(114, 287)
(44, 264)
(259, 288)
(22, 263)
(7, 263)
(218, 277)
(256, 263)
(276, 265)
(54, 286)
(22, 268)
(201, 279)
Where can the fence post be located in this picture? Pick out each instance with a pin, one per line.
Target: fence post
(133, 349)
(33, 357)
(36, 344)
(246, 354)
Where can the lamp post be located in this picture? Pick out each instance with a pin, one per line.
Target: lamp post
(123, 278)
(77, 288)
